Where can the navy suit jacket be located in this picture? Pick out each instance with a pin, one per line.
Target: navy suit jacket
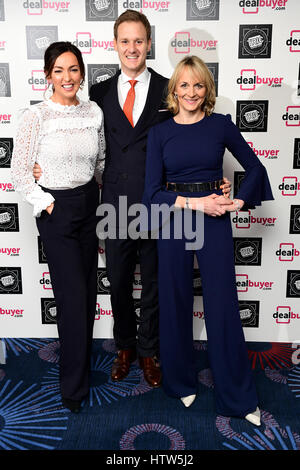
(126, 146)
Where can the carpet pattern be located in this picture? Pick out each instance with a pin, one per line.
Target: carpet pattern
(130, 415)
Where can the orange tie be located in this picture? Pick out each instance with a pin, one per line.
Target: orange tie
(129, 102)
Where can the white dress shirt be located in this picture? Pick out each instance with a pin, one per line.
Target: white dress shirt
(66, 141)
(141, 91)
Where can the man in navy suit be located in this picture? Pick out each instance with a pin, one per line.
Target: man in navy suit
(126, 137)
(126, 133)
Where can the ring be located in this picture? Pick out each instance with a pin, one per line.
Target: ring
(237, 204)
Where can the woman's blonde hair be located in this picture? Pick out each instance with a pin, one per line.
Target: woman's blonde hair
(199, 68)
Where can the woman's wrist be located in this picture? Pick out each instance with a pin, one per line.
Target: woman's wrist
(238, 203)
(188, 202)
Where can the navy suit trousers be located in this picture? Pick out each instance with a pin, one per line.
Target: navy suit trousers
(130, 331)
(71, 247)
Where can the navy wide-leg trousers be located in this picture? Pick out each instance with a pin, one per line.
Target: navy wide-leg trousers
(71, 247)
(235, 392)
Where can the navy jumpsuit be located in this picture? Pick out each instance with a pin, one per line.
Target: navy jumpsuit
(189, 153)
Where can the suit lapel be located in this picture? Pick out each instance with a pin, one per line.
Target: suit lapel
(114, 116)
(152, 104)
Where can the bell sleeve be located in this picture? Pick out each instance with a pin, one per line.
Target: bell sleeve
(255, 186)
(23, 159)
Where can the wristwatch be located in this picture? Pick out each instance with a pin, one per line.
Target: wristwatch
(187, 203)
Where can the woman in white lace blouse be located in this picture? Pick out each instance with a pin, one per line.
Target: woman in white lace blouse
(66, 137)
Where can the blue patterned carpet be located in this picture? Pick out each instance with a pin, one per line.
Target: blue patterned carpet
(130, 415)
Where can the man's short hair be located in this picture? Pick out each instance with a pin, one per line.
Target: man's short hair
(132, 15)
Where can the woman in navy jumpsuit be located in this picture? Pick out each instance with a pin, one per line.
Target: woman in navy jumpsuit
(188, 149)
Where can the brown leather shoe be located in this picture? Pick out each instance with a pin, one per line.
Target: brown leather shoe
(151, 369)
(121, 364)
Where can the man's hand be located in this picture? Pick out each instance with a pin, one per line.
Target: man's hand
(49, 209)
(222, 200)
(37, 173)
(226, 187)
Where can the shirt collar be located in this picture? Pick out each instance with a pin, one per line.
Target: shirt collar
(143, 77)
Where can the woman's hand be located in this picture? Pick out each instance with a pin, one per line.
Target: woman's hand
(50, 208)
(213, 204)
(226, 187)
(37, 172)
(237, 205)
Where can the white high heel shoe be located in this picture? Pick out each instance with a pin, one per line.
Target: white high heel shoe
(254, 417)
(187, 401)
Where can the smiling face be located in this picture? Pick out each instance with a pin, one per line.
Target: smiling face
(66, 78)
(191, 91)
(132, 47)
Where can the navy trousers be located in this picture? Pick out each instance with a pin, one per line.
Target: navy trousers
(235, 393)
(71, 247)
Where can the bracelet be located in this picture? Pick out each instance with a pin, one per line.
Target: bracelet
(237, 204)
(187, 203)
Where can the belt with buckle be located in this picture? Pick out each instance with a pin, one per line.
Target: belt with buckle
(195, 187)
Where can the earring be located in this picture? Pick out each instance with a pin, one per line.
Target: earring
(81, 84)
(49, 91)
(175, 96)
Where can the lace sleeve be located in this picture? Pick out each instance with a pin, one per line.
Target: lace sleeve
(100, 162)
(23, 159)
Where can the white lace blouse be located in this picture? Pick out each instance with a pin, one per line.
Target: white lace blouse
(66, 141)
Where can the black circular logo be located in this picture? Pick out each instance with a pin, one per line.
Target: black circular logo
(297, 219)
(246, 252)
(7, 218)
(103, 282)
(9, 280)
(295, 284)
(255, 42)
(2, 84)
(102, 8)
(247, 314)
(252, 115)
(50, 311)
(203, 7)
(100, 75)
(4, 153)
